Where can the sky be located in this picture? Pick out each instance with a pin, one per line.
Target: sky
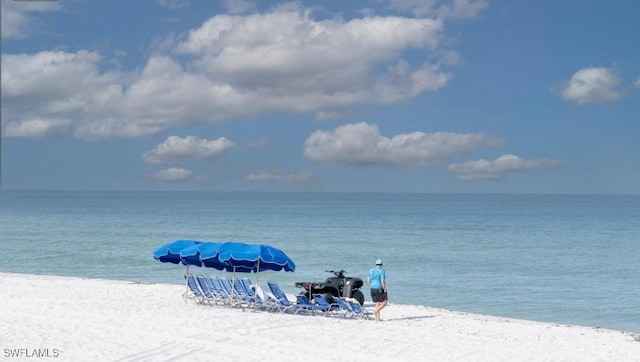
(425, 96)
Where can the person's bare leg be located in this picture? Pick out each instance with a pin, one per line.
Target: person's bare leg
(376, 311)
(381, 307)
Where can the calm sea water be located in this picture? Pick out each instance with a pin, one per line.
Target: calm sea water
(571, 259)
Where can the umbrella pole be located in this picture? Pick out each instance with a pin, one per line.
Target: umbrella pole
(186, 284)
(233, 286)
(255, 294)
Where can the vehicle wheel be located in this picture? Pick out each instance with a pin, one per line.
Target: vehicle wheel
(357, 295)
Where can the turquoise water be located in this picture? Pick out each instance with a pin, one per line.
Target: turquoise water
(571, 259)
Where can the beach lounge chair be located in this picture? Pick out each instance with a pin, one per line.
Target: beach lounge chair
(247, 292)
(284, 302)
(211, 293)
(261, 299)
(196, 294)
(346, 307)
(325, 307)
(243, 292)
(217, 286)
(359, 311)
(322, 301)
(236, 297)
(203, 286)
(268, 301)
(246, 284)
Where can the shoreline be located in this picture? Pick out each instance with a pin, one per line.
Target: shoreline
(72, 318)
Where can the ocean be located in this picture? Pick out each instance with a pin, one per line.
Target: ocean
(566, 259)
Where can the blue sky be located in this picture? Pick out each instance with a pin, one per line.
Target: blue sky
(478, 96)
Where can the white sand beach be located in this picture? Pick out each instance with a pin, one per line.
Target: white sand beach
(75, 319)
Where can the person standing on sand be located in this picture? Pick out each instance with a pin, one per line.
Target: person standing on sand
(378, 283)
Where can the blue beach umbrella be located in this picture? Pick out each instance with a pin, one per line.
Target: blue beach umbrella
(255, 257)
(247, 258)
(191, 255)
(209, 256)
(170, 253)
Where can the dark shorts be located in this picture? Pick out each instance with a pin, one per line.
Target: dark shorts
(378, 295)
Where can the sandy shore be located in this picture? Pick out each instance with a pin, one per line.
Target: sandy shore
(74, 319)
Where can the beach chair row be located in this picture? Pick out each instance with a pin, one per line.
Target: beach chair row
(319, 305)
(241, 293)
(214, 290)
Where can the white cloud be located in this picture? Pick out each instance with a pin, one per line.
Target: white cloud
(67, 87)
(174, 174)
(400, 83)
(290, 34)
(37, 128)
(53, 75)
(285, 60)
(176, 149)
(287, 54)
(231, 67)
(592, 85)
(17, 19)
(637, 83)
(498, 168)
(362, 144)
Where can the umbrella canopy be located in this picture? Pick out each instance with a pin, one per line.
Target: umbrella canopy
(191, 255)
(247, 258)
(206, 255)
(254, 257)
(170, 253)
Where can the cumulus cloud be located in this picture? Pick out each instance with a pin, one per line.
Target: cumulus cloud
(17, 16)
(177, 149)
(69, 87)
(53, 75)
(498, 168)
(174, 174)
(401, 83)
(37, 128)
(231, 67)
(362, 144)
(286, 60)
(592, 85)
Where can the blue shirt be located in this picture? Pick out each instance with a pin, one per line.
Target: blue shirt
(377, 275)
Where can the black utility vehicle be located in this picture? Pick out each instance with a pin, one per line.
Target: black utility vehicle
(336, 286)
